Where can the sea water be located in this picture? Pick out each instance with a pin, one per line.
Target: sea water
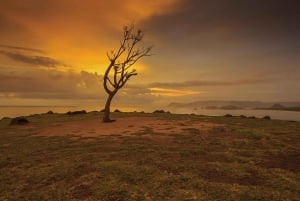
(14, 111)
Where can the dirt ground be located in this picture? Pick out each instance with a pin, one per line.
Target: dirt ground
(123, 126)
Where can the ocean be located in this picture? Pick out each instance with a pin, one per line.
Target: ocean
(14, 111)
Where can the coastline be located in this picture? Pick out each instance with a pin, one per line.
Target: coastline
(15, 111)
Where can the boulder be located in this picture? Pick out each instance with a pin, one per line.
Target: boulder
(267, 117)
(160, 111)
(76, 112)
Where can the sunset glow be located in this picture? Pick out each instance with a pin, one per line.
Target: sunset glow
(55, 50)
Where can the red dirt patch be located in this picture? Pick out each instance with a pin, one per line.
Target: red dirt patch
(123, 126)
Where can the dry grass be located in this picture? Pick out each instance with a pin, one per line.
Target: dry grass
(168, 157)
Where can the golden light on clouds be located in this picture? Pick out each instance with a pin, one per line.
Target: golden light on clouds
(77, 32)
(202, 49)
(173, 92)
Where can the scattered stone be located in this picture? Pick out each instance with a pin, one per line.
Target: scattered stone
(267, 117)
(19, 121)
(50, 112)
(76, 112)
(228, 115)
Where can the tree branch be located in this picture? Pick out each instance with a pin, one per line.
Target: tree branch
(121, 61)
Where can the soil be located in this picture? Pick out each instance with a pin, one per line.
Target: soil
(125, 126)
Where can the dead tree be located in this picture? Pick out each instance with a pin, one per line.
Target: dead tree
(120, 68)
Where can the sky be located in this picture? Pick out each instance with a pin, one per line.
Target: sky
(53, 52)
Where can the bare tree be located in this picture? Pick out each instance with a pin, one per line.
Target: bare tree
(120, 68)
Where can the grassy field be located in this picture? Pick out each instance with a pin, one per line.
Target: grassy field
(244, 159)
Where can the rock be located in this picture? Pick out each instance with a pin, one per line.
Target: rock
(228, 115)
(116, 110)
(19, 121)
(160, 111)
(76, 112)
(267, 117)
(50, 112)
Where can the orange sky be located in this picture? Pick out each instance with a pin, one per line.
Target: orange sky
(202, 50)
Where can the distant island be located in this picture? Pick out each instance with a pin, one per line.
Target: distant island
(238, 105)
(281, 107)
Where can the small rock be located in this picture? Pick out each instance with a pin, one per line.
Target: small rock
(267, 117)
(161, 111)
(252, 117)
(50, 112)
(116, 110)
(228, 115)
(76, 112)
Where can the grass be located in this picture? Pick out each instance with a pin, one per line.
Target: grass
(245, 159)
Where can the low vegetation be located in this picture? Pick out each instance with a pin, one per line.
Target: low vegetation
(243, 159)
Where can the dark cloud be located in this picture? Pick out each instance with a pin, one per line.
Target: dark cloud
(197, 83)
(23, 48)
(218, 23)
(51, 84)
(33, 60)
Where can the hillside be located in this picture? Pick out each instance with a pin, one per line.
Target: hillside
(214, 104)
(149, 157)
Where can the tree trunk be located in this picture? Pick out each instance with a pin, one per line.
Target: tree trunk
(106, 117)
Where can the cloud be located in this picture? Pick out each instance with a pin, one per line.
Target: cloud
(173, 92)
(197, 83)
(56, 19)
(51, 84)
(222, 24)
(33, 60)
(23, 48)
